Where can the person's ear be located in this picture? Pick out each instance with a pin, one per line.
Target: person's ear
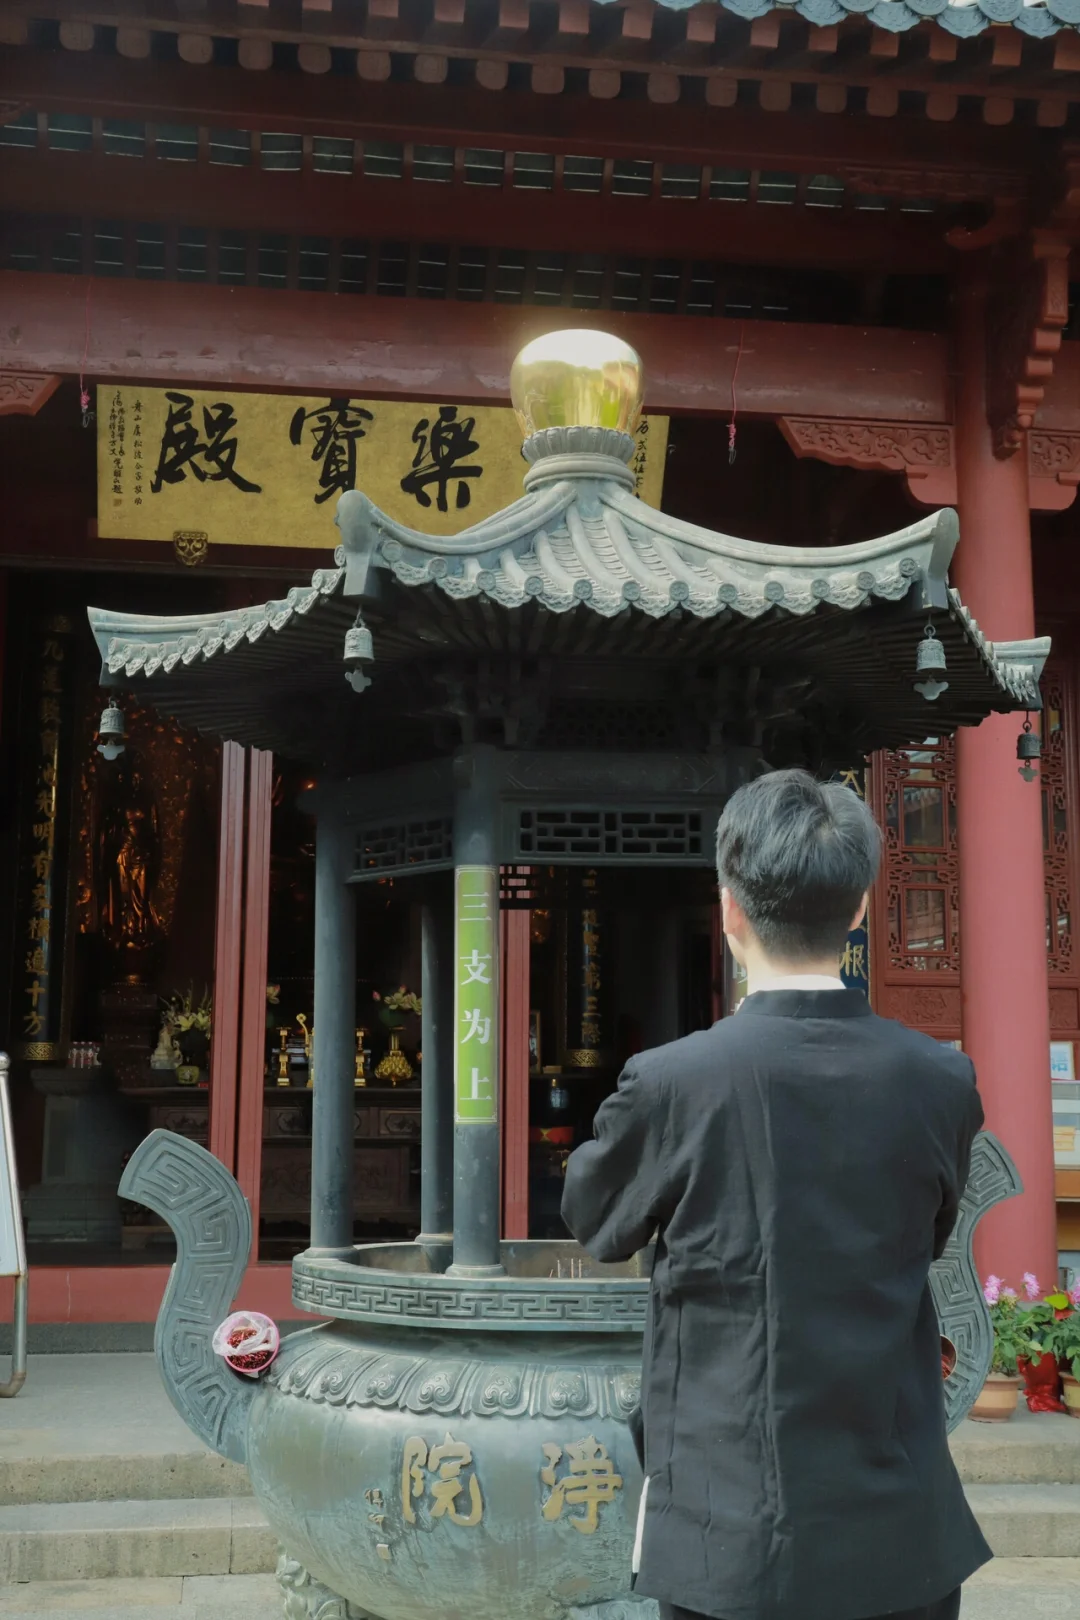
(860, 915)
(733, 916)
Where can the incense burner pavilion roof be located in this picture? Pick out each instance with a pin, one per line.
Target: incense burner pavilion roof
(577, 599)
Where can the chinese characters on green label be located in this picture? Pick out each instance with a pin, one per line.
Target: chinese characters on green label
(476, 1021)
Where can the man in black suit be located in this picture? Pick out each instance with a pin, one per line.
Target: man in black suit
(801, 1165)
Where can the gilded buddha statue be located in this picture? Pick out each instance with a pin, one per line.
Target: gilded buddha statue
(128, 864)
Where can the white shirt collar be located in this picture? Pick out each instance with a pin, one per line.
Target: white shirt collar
(801, 981)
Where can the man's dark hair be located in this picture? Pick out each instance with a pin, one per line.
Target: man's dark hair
(798, 855)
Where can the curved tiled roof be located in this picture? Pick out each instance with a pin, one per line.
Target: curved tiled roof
(964, 18)
(580, 545)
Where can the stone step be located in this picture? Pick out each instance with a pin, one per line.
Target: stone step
(1031, 1449)
(1028, 1521)
(1048, 1588)
(101, 1428)
(1015, 1588)
(162, 1597)
(87, 1541)
(1040, 1450)
(28, 1476)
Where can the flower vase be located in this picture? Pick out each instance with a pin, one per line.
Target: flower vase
(194, 1045)
(1070, 1388)
(996, 1401)
(1041, 1383)
(395, 1066)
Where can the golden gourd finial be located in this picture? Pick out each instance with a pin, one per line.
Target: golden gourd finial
(577, 378)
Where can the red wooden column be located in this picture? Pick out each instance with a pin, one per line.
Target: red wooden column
(1003, 977)
(228, 948)
(253, 983)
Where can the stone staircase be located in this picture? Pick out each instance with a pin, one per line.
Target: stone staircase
(110, 1508)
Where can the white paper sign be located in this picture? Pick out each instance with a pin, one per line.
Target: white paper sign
(12, 1262)
(1062, 1061)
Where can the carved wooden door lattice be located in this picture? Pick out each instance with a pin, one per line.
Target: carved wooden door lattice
(915, 915)
(1053, 771)
(921, 866)
(1057, 771)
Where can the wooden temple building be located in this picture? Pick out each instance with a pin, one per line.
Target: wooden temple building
(255, 256)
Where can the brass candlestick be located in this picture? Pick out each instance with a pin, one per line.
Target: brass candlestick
(361, 1071)
(309, 1048)
(283, 1056)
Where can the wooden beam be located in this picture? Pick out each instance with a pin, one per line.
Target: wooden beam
(228, 938)
(1059, 410)
(208, 196)
(23, 394)
(252, 1075)
(576, 40)
(978, 161)
(315, 343)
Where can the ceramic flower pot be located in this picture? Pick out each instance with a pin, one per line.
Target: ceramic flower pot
(996, 1401)
(1070, 1389)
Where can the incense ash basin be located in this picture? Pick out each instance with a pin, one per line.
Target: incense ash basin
(444, 1447)
(441, 1443)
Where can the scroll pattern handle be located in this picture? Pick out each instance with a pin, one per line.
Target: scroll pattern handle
(210, 1219)
(955, 1282)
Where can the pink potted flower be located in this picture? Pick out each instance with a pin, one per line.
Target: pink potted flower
(996, 1401)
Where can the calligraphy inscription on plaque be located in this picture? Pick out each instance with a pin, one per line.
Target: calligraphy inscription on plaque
(267, 469)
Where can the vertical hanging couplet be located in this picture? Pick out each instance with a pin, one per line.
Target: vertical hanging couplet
(476, 1016)
(333, 1102)
(855, 961)
(40, 908)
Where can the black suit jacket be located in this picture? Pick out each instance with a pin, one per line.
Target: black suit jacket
(802, 1165)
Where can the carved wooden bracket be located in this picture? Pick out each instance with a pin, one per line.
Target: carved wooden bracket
(23, 393)
(1053, 470)
(1026, 315)
(924, 454)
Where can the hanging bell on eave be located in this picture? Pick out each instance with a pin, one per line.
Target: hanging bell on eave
(112, 736)
(359, 650)
(1028, 751)
(930, 666)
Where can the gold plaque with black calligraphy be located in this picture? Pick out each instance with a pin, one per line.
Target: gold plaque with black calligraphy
(267, 470)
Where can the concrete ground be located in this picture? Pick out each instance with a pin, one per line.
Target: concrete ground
(176, 1597)
(1011, 1589)
(111, 1509)
(101, 1428)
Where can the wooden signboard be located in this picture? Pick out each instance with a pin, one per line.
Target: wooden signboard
(267, 469)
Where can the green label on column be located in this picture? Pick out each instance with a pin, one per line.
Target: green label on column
(476, 995)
